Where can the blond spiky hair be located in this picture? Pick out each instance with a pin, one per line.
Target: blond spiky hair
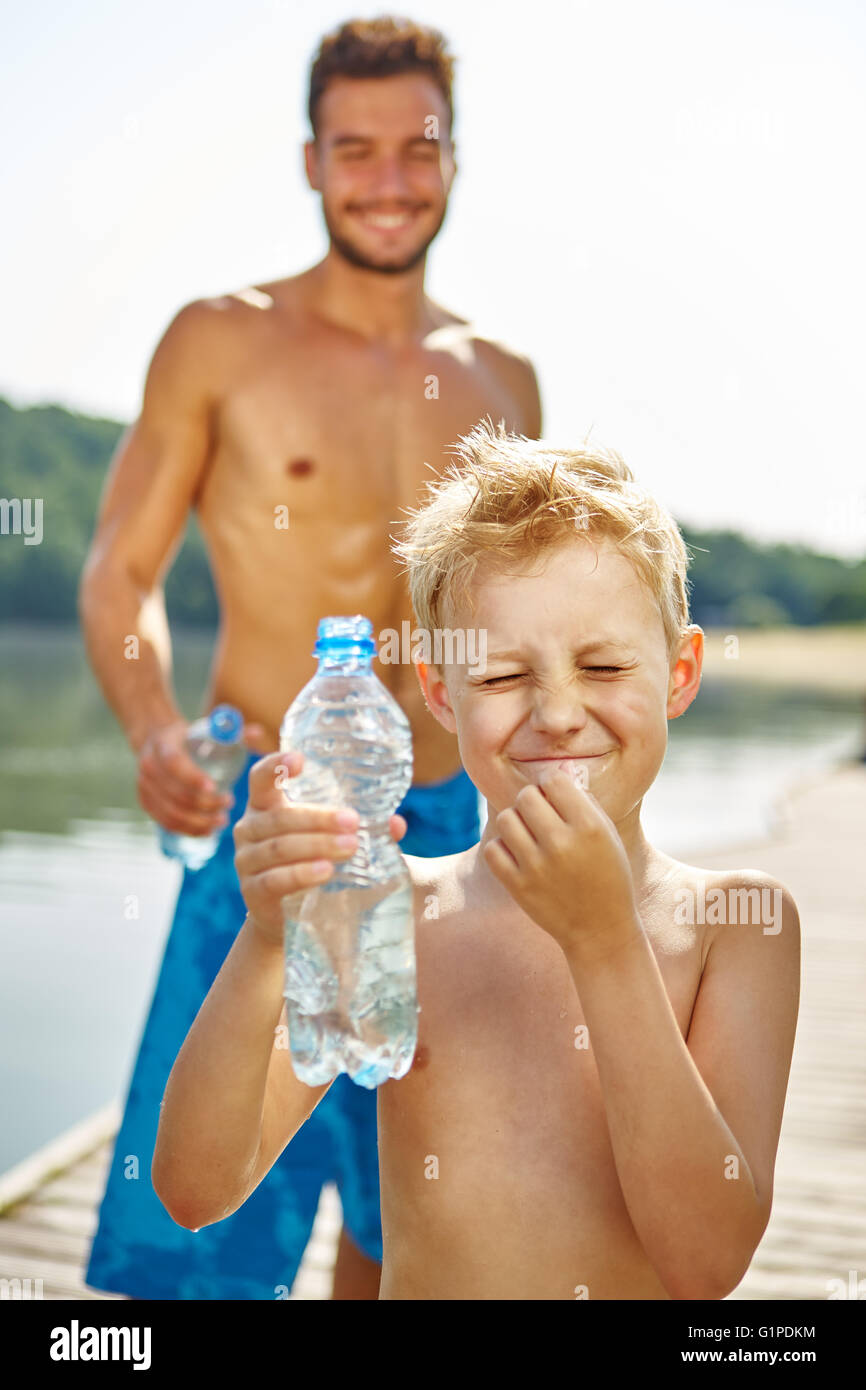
(509, 498)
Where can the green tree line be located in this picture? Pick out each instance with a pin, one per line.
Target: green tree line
(61, 457)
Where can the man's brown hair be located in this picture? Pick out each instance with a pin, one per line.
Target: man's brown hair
(383, 47)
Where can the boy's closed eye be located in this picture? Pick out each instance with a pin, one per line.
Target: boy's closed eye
(516, 675)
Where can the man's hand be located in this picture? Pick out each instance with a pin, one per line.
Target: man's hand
(174, 790)
(561, 859)
(282, 849)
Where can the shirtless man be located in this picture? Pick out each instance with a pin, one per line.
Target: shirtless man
(297, 418)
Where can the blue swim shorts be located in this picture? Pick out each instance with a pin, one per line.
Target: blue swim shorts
(138, 1249)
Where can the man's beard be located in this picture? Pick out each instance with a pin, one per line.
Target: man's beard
(351, 253)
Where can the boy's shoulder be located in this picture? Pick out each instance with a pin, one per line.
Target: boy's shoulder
(698, 903)
(735, 897)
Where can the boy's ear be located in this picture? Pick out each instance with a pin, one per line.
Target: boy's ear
(436, 695)
(685, 674)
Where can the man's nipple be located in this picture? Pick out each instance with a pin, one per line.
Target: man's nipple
(299, 468)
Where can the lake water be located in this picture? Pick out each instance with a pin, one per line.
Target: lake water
(78, 859)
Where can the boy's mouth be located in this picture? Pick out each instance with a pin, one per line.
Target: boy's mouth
(578, 768)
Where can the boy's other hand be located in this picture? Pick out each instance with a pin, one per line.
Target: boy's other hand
(282, 849)
(561, 859)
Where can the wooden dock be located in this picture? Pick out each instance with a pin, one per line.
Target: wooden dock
(815, 1244)
(48, 1213)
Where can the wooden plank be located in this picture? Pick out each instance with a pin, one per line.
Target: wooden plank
(67, 1190)
(72, 1220)
(59, 1155)
(54, 1273)
(817, 1230)
(20, 1237)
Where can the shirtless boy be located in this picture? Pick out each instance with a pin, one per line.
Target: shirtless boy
(296, 418)
(595, 1104)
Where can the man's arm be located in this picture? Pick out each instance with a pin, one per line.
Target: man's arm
(155, 473)
(528, 396)
(695, 1125)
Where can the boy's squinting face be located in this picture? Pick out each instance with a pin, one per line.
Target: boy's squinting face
(577, 676)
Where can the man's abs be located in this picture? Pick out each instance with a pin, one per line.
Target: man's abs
(261, 666)
(320, 441)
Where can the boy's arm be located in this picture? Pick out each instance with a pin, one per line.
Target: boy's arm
(232, 1101)
(695, 1125)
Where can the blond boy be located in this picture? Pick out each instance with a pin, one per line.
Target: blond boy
(596, 1098)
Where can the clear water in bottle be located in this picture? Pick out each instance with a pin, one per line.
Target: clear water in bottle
(350, 983)
(214, 744)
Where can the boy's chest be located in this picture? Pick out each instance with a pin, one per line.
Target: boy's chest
(502, 1037)
(495, 1156)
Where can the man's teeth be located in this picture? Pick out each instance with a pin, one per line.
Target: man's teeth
(382, 219)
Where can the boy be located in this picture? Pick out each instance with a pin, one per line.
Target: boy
(595, 1102)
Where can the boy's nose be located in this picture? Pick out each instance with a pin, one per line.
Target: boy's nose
(558, 711)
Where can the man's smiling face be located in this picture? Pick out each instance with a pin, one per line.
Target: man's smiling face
(384, 169)
(577, 677)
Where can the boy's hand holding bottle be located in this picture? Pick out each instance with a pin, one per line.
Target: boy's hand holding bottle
(282, 849)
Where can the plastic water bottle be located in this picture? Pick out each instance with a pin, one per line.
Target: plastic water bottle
(214, 744)
(350, 987)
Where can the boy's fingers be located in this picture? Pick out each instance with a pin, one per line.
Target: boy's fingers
(290, 820)
(259, 855)
(272, 815)
(268, 777)
(281, 881)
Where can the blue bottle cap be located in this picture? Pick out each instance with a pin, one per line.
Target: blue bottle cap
(345, 637)
(225, 724)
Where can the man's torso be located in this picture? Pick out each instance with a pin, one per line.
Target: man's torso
(320, 439)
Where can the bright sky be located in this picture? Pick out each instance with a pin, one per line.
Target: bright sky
(663, 204)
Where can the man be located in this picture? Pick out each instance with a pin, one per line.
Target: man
(298, 418)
